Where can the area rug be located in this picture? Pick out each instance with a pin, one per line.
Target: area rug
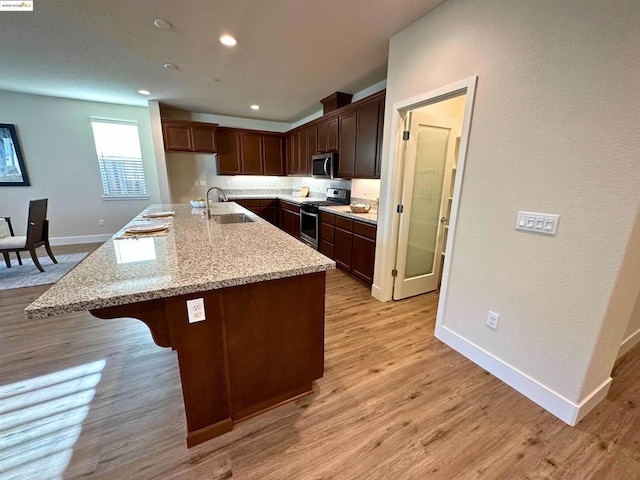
(27, 275)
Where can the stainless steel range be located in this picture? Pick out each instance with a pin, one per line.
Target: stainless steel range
(310, 214)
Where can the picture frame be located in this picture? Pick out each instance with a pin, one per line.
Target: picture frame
(13, 172)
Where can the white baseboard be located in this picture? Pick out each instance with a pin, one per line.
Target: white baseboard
(376, 292)
(551, 401)
(628, 343)
(80, 239)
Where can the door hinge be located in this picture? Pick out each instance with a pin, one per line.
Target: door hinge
(405, 135)
(394, 273)
(400, 208)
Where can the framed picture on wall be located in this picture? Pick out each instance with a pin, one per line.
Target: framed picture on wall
(12, 170)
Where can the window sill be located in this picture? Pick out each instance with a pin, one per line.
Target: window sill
(118, 198)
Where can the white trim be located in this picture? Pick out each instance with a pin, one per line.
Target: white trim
(80, 239)
(387, 239)
(566, 410)
(628, 343)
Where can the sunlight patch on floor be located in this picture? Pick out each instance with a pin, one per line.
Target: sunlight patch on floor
(41, 419)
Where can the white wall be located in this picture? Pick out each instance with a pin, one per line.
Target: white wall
(60, 156)
(553, 131)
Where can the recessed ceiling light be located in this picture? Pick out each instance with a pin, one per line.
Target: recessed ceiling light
(162, 24)
(144, 92)
(255, 107)
(171, 66)
(228, 40)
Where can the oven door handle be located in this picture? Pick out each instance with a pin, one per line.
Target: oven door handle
(326, 166)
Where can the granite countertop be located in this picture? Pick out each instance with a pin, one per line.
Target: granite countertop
(342, 210)
(345, 211)
(195, 255)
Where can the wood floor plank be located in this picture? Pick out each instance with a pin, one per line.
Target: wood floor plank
(394, 403)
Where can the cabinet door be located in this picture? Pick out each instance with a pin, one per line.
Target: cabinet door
(327, 249)
(303, 153)
(292, 154)
(177, 137)
(273, 155)
(251, 153)
(343, 247)
(270, 214)
(367, 140)
(363, 259)
(347, 157)
(333, 135)
(312, 143)
(228, 152)
(204, 139)
(380, 130)
(321, 140)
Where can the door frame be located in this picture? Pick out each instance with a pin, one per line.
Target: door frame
(391, 186)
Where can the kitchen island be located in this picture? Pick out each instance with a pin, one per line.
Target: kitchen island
(258, 339)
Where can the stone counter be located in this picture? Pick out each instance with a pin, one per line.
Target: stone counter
(195, 255)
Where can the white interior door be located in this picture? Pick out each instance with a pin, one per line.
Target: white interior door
(428, 164)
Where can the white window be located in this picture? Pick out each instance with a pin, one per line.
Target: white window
(120, 159)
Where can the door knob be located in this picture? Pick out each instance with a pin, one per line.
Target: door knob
(444, 220)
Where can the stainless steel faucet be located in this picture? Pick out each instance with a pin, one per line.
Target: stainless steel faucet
(221, 194)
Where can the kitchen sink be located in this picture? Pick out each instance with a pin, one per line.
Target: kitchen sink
(231, 218)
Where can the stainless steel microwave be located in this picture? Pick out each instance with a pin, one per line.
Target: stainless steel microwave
(325, 165)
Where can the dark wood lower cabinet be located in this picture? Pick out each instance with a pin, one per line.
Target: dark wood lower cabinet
(352, 244)
(255, 349)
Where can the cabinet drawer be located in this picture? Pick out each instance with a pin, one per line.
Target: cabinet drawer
(292, 207)
(344, 223)
(327, 249)
(327, 232)
(365, 229)
(329, 218)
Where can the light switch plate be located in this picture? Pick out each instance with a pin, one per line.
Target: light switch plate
(545, 223)
(195, 310)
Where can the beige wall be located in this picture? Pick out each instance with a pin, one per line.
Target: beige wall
(553, 131)
(60, 156)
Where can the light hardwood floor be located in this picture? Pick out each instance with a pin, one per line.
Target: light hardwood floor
(88, 398)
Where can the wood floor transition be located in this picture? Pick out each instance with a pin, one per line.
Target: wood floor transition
(88, 398)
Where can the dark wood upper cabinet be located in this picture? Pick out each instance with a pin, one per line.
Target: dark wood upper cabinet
(312, 142)
(187, 136)
(332, 134)
(251, 153)
(273, 155)
(229, 152)
(347, 155)
(380, 131)
(366, 148)
(304, 161)
(321, 138)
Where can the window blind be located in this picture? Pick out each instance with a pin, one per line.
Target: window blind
(120, 159)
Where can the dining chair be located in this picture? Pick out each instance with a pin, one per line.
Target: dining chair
(37, 236)
(6, 230)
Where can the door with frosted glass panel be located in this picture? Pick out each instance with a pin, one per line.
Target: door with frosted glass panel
(429, 159)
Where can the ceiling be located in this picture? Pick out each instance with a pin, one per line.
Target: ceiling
(290, 53)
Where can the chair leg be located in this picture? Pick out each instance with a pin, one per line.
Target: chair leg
(34, 257)
(7, 260)
(48, 248)
(19, 259)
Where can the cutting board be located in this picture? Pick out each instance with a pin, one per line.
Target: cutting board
(304, 191)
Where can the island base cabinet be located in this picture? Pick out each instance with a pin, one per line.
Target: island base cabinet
(253, 351)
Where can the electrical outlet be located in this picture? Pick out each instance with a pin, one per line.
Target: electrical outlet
(101, 223)
(195, 310)
(227, 183)
(492, 320)
(365, 191)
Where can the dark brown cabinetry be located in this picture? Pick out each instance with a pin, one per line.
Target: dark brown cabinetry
(328, 135)
(266, 208)
(351, 243)
(290, 218)
(187, 136)
(347, 154)
(361, 139)
(249, 152)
